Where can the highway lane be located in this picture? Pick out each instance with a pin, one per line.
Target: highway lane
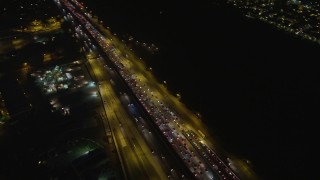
(124, 129)
(128, 156)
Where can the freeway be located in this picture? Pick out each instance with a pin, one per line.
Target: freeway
(158, 148)
(134, 151)
(98, 71)
(172, 120)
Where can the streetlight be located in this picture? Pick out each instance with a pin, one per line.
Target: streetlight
(198, 115)
(178, 96)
